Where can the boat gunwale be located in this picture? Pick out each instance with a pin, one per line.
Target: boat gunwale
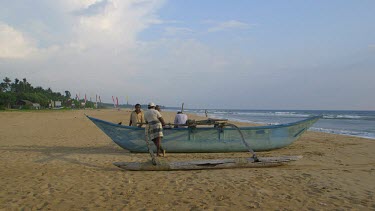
(262, 127)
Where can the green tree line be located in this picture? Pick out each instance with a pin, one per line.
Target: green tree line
(13, 91)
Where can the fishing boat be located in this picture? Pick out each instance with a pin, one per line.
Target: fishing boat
(217, 138)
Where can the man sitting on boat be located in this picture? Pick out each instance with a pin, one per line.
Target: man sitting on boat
(155, 127)
(136, 117)
(180, 120)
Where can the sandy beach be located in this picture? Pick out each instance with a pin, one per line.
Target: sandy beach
(59, 160)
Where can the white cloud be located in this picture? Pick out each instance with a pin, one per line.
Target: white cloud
(117, 25)
(95, 52)
(13, 43)
(73, 5)
(227, 25)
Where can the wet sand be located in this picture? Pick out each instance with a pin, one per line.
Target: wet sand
(59, 160)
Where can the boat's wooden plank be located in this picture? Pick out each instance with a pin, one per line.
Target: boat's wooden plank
(207, 164)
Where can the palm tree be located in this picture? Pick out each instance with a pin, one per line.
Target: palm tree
(67, 94)
(7, 80)
(5, 85)
(15, 86)
(23, 83)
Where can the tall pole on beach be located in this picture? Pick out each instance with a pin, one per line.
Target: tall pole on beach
(96, 101)
(182, 108)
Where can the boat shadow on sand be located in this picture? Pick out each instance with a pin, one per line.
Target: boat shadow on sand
(74, 155)
(102, 157)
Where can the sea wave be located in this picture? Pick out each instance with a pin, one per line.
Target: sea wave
(345, 132)
(292, 114)
(349, 117)
(263, 114)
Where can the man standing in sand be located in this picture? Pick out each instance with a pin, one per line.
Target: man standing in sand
(136, 117)
(154, 128)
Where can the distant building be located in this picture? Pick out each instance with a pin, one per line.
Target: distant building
(55, 104)
(23, 103)
(36, 106)
(20, 104)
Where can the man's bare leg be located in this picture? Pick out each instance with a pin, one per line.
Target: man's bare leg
(156, 142)
(162, 150)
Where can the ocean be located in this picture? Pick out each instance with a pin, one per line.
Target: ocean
(351, 123)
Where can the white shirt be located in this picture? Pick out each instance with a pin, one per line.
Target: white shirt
(152, 115)
(180, 119)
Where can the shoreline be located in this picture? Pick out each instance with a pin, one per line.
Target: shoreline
(60, 160)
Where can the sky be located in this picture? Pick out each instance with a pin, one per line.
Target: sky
(242, 54)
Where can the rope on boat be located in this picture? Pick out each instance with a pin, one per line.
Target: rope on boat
(222, 123)
(153, 159)
(243, 141)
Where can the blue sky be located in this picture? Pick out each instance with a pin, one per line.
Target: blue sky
(208, 54)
